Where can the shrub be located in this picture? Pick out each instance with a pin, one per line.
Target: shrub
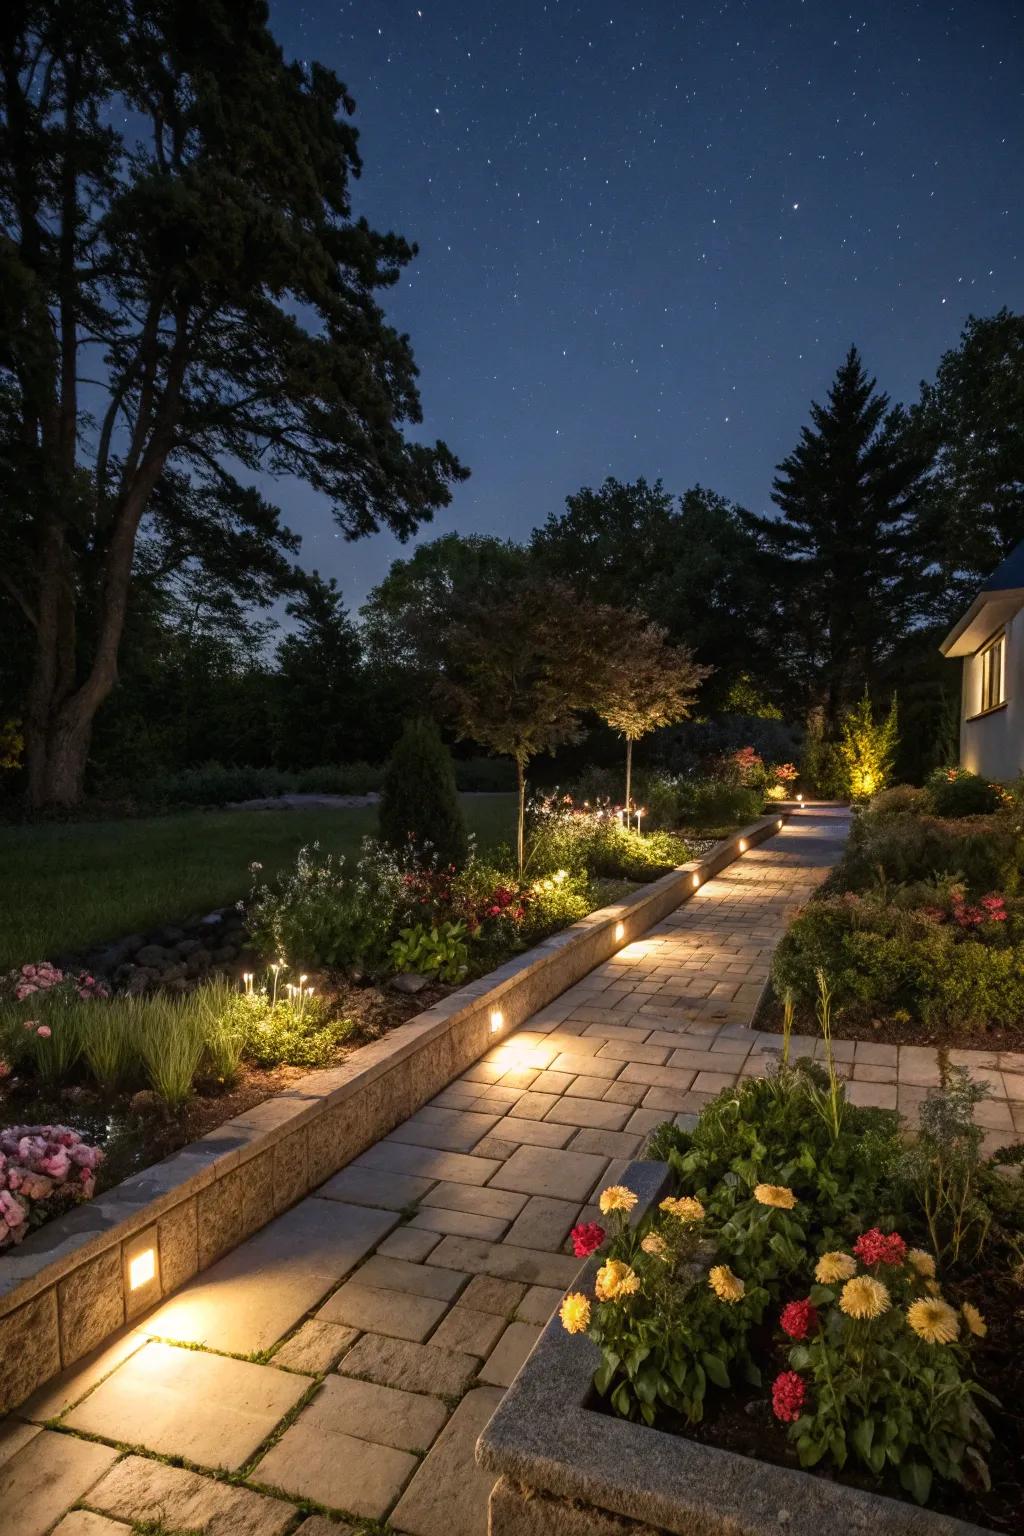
(215, 784)
(716, 803)
(488, 775)
(899, 848)
(43, 1169)
(324, 913)
(562, 835)
(956, 792)
(340, 779)
(901, 799)
(554, 904)
(867, 748)
(419, 805)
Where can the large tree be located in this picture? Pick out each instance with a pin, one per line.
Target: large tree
(182, 287)
(319, 682)
(842, 563)
(973, 417)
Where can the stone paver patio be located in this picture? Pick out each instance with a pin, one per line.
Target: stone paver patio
(339, 1366)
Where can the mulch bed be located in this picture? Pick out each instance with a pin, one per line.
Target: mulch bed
(886, 1031)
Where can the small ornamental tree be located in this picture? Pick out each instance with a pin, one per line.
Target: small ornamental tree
(520, 663)
(419, 803)
(867, 748)
(647, 683)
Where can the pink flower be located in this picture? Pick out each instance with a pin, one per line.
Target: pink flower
(798, 1319)
(875, 1247)
(5, 1070)
(586, 1238)
(788, 1395)
(44, 1031)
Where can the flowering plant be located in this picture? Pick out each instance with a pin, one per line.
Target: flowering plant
(878, 1369)
(42, 1167)
(668, 1321)
(45, 977)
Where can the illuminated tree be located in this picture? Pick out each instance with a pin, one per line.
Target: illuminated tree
(867, 748)
(645, 683)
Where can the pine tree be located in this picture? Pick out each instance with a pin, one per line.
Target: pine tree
(842, 564)
(419, 803)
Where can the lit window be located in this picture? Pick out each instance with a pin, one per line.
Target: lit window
(993, 673)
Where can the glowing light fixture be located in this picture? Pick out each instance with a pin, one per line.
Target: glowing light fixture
(800, 799)
(620, 932)
(742, 845)
(497, 1020)
(780, 823)
(696, 881)
(142, 1269)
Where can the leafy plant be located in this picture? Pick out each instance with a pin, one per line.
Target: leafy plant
(439, 951)
(956, 792)
(944, 1169)
(324, 913)
(110, 1050)
(867, 748)
(171, 1042)
(224, 1028)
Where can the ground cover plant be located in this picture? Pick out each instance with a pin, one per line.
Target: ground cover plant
(920, 929)
(822, 1292)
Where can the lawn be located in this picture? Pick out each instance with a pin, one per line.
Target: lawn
(70, 886)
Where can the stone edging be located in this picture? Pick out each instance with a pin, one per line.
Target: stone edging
(565, 1468)
(67, 1287)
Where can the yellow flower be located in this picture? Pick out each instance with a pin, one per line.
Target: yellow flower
(833, 1267)
(976, 1324)
(933, 1288)
(615, 1280)
(616, 1198)
(864, 1297)
(575, 1313)
(656, 1245)
(686, 1208)
(726, 1285)
(922, 1262)
(934, 1321)
(775, 1194)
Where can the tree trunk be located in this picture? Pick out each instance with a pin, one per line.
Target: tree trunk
(521, 817)
(629, 773)
(59, 762)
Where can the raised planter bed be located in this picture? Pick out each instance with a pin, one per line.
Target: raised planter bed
(70, 1286)
(564, 1467)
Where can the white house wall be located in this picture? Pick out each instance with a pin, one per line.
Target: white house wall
(993, 744)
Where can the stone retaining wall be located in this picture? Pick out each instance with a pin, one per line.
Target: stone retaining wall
(68, 1287)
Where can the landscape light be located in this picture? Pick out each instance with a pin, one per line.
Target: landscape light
(620, 932)
(696, 881)
(142, 1269)
(742, 845)
(497, 1020)
(800, 799)
(780, 823)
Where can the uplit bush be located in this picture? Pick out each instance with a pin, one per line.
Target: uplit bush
(901, 847)
(718, 803)
(956, 792)
(327, 912)
(592, 840)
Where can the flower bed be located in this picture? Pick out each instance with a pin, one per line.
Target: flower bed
(819, 1294)
(920, 929)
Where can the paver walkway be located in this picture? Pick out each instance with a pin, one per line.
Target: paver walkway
(347, 1356)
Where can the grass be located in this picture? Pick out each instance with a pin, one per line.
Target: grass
(73, 885)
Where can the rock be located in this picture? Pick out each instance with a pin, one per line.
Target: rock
(155, 955)
(211, 919)
(186, 947)
(225, 953)
(78, 1095)
(170, 935)
(145, 1102)
(174, 972)
(139, 980)
(409, 982)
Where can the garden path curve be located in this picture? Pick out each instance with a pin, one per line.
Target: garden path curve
(344, 1359)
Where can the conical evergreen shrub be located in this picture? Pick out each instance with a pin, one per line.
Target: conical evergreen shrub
(419, 802)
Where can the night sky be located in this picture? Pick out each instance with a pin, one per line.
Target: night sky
(649, 231)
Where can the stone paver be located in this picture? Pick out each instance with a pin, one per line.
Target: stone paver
(45, 1478)
(85, 1522)
(409, 1366)
(182, 1402)
(140, 1490)
(448, 1496)
(407, 1421)
(315, 1347)
(273, 1279)
(509, 1353)
(375, 1310)
(339, 1471)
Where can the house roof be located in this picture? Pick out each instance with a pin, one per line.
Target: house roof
(1000, 597)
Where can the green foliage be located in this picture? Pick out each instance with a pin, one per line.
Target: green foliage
(555, 904)
(171, 1040)
(896, 848)
(439, 951)
(285, 1033)
(716, 803)
(900, 800)
(956, 792)
(108, 1043)
(419, 806)
(591, 840)
(325, 913)
(821, 768)
(867, 748)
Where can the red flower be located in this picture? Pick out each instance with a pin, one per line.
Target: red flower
(788, 1394)
(876, 1247)
(586, 1239)
(798, 1319)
